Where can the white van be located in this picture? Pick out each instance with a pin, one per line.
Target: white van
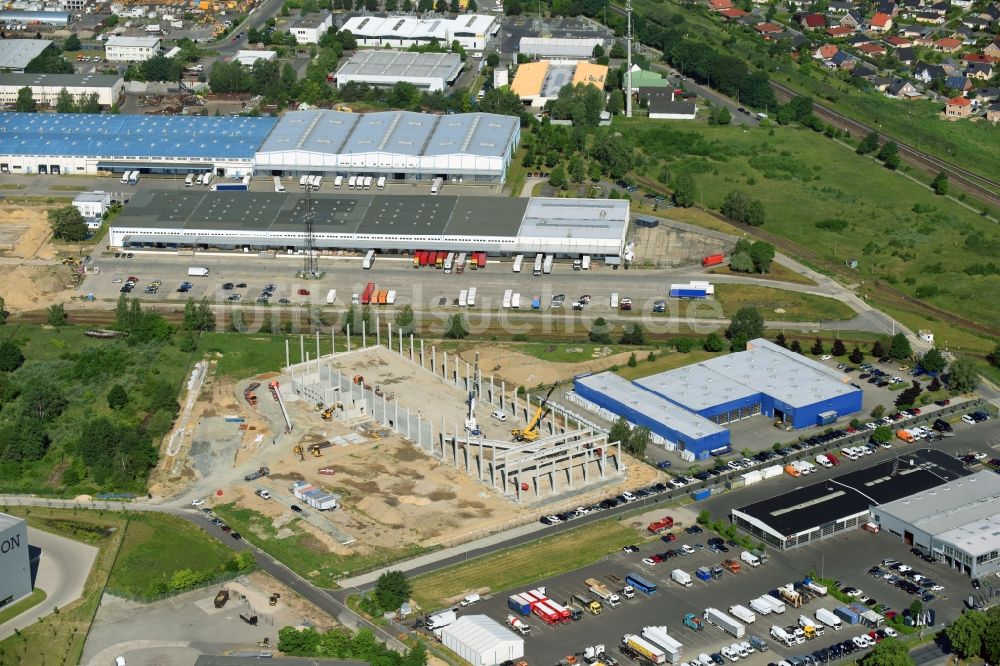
(200, 180)
(208, 178)
(381, 182)
(125, 177)
(614, 300)
(189, 181)
(499, 416)
(436, 185)
(303, 181)
(338, 181)
(278, 187)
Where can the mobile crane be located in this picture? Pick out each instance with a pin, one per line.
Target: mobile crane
(530, 433)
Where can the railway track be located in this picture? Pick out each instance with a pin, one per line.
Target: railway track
(983, 189)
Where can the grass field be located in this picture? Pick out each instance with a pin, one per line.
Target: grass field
(777, 273)
(522, 565)
(158, 545)
(303, 553)
(796, 306)
(664, 361)
(820, 194)
(248, 354)
(568, 353)
(36, 597)
(59, 637)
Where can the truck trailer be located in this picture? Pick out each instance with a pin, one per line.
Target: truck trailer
(828, 618)
(760, 606)
(681, 577)
(658, 636)
(197, 271)
(742, 613)
(776, 606)
(724, 622)
(644, 648)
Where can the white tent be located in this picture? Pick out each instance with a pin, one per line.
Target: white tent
(482, 641)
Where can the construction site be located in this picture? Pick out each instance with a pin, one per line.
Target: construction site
(367, 451)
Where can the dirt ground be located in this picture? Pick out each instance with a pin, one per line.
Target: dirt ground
(520, 369)
(25, 234)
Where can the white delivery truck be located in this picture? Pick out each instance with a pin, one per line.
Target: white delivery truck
(303, 181)
(317, 182)
(449, 262)
(614, 300)
(776, 606)
(390, 297)
(278, 187)
(547, 267)
(209, 177)
(352, 182)
(189, 181)
(381, 182)
(537, 270)
(761, 607)
(471, 299)
(331, 296)
(742, 613)
(518, 260)
(829, 618)
(338, 181)
(441, 620)
(746, 556)
(125, 177)
(463, 297)
(507, 296)
(368, 260)
(197, 271)
(515, 301)
(436, 185)
(681, 577)
(585, 265)
(724, 622)
(368, 182)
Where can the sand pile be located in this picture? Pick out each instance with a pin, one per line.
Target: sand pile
(380, 511)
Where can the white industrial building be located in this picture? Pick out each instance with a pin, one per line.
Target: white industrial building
(15, 563)
(383, 68)
(482, 641)
(400, 145)
(93, 206)
(309, 28)
(45, 88)
(472, 31)
(958, 523)
(15, 54)
(248, 58)
(565, 47)
(120, 48)
(28, 18)
(352, 220)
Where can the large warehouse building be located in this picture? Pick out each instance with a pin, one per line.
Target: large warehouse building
(79, 143)
(15, 563)
(382, 68)
(46, 88)
(958, 523)
(482, 641)
(264, 220)
(15, 54)
(471, 31)
(555, 47)
(802, 515)
(397, 144)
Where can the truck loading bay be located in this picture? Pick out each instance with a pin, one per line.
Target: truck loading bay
(852, 555)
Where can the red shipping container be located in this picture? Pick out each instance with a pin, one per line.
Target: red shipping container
(713, 260)
(366, 295)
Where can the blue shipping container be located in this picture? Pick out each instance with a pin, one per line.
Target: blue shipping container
(699, 495)
(847, 615)
(688, 293)
(238, 187)
(518, 606)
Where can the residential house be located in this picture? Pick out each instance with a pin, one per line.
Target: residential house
(992, 13)
(958, 107)
(844, 60)
(980, 70)
(840, 31)
(812, 21)
(930, 18)
(825, 52)
(993, 49)
(958, 83)
(851, 19)
(896, 42)
(902, 89)
(978, 57)
(912, 31)
(906, 55)
(858, 40)
(993, 113)
(962, 4)
(719, 5)
(940, 7)
(881, 22)
(880, 83)
(767, 29)
(910, 6)
(872, 50)
(926, 73)
(798, 4)
(664, 105)
(864, 71)
(966, 35)
(947, 44)
(988, 94)
(977, 23)
(887, 7)
(839, 7)
(732, 14)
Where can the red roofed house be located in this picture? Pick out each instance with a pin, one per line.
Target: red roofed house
(947, 44)
(813, 22)
(872, 49)
(719, 5)
(825, 52)
(767, 28)
(840, 31)
(732, 14)
(881, 22)
(898, 41)
(958, 107)
(979, 57)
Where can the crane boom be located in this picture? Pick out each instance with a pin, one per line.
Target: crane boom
(530, 432)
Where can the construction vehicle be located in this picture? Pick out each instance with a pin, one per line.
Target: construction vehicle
(693, 622)
(221, 598)
(273, 388)
(530, 432)
(297, 450)
(568, 660)
(327, 413)
(518, 625)
(273, 599)
(261, 472)
(658, 526)
(471, 426)
(316, 451)
(249, 395)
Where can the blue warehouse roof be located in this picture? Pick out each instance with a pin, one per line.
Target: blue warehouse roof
(127, 136)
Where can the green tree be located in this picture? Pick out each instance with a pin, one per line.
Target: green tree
(741, 262)
(966, 633)
(781, 341)
(856, 356)
(713, 342)
(3, 310)
(878, 350)
(620, 431)
(600, 332)
(492, 59)
(899, 348)
(557, 177)
(513, 8)
(684, 190)
(89, 104)
(889, 154)
(298, 642)
(501, 101)
(457, 328)
(638, 440)
(963, 377)
(634, 334)
(993, 357)
(614, 153)
(11, 357)
(796, 347)
(117, 397)
(64, 102)
(869, 144)
(933, 361)
(67, 223)
(392, 590)
(888, 652)
(405, 320)
(454, 7)
(56, 315)
(745, 325)
(25, 101)
(878, 411)
(882, 434)
(441, 7)
(72, 43)
(940, 184)
(632, 360)
(762, 254)
(742, 208)
(720, 115)
(577, 172)
(817, 348)
(838, 348)
(991, 636)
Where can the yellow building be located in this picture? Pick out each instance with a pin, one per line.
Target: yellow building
(538, 82)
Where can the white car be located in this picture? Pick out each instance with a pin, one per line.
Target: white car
(687, 549)
(649, 561)
(890, 632)
(119, 281)
(553, 520)
(582, 511)
(825, 357)
(979, 456)
(629, 497)
(746, 646)
(886, 445)
(968, 419)
(903, 568)
(729, 654)
(704, 660)
(855, 593)
(732, 464)
(197, 502)
(938, 588)
(871, 425)
(860, 642)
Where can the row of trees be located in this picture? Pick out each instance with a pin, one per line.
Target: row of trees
(976, 634)
(65, 103)
(341, 643)
(750, 257)
(633, 440)
(67, 223)
(887, 153)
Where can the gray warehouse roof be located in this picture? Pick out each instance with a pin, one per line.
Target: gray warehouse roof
(977, 538)
(951, 507)
(61, 80)
(7, 520)
(575, 218)
(764, 368)
(398, 132)
(402, 65)
(17, 53)
(650, 405)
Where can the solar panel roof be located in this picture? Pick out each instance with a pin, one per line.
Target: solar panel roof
(130, 136)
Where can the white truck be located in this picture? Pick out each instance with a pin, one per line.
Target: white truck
(352, 182)
(750, 558)
(338, 181)
(761, 607)
(463, 297)
(331, 296)
(390, 297)
(547, 266)
(470, 300)
(508, 294)
(537, 270)
(368, 260)
(829, 618)
(381, 182)
(782, 636)
(197, 271)
(724, 622)
(470, 599)
(585, 265)
(681, 577)
(821, 590)
(449, 261)
(742, 613)
(515, 301)
(441, 620)
(518, 625)
(189, 181)
(518, 260)
(672, 647)
(278, 187)
(776, 606)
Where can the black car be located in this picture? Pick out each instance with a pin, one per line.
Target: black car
(694, 529)
(296, 508)
(703, 476)
(975, 583)
(227, 286)
(723, 547)
(717, 659)
(660, 487)
(236, 535)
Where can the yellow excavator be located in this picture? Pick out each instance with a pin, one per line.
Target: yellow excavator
(530, 432)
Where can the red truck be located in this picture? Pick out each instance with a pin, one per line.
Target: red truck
(712, 260)
(658, 526)
(366, 295)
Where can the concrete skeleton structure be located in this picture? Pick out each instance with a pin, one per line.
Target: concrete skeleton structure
(120, 48)
(355, 221)
(15, 54)
(46, 88)
(15, 561)
(958, 522)
(563, 458)
(384, 68)
(471, 31)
